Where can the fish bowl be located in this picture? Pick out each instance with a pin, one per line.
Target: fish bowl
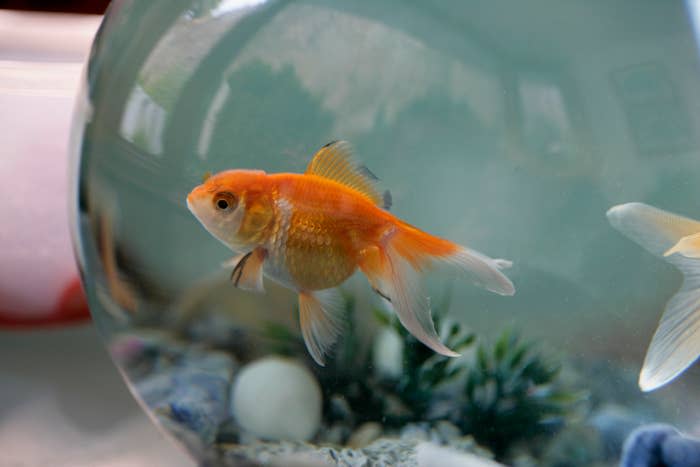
(509, 128)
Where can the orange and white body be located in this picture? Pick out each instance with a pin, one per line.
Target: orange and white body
(676, 342)
(312, 231)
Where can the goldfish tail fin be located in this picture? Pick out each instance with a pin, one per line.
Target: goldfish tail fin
(676, 342)
(398, 281)
(394, 268)
(423, 250)
(321, 319)
(483, 270)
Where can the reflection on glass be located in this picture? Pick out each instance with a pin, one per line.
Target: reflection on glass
(546, 127)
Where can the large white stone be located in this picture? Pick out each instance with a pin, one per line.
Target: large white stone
(278, 399)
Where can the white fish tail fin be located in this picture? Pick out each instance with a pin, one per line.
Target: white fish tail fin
(394, 270)
(688, 246)
(321, 319)
(676, 342)
(654, 229)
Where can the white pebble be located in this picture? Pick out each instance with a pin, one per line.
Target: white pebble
(277, 399)
(387, 354)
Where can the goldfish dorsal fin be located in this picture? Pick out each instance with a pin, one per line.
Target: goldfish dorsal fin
(336, 162)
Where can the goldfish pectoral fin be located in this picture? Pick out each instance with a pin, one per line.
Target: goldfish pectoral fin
(321, 316)
(232, 262)
(676, 342)
(335, 161)
(485, 271)
(247, 273)
(396, 281)
(654, 229)
(688, 246)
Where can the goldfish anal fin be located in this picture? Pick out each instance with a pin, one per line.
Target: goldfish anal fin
(247, 271)
(335, 161)
(321, 319)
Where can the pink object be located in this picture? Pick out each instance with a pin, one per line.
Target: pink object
(41, 60)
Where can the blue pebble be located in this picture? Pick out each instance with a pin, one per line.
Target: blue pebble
(643, 446)
(155, 389)
(192, 392)
(200, 403)
(680, 451)
(660, 446)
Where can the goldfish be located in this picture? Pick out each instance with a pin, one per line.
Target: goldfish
(310, 232)
(676, 341)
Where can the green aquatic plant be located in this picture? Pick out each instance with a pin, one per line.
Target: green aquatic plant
(424, 372)
(503, 393)
(512, 394)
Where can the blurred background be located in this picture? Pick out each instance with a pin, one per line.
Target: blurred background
(62, 401)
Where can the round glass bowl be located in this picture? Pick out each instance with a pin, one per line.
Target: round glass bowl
(511, 128)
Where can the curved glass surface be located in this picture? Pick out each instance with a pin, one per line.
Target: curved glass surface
(510, 128)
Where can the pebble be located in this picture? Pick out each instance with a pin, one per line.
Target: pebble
(383, 452)
(432, 455)
(365, 434)
(277, 399)
(191, 392)
(680, 451)
(446, 431)
(200, 403)
(660, 445)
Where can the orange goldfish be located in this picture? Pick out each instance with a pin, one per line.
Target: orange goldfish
(312, 231)
(676, 342)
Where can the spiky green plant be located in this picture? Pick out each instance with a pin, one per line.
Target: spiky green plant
(424, 371)
(512, 394)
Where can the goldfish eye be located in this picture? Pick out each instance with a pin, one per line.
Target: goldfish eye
(225, 201)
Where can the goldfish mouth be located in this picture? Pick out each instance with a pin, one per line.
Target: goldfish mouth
(190, 203)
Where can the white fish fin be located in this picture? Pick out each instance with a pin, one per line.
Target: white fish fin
(485, 271)
(688, 246)
(398, 282)
(676, 342)
(321, 316)
(247, 273)
(336, 162)
(654, 229)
